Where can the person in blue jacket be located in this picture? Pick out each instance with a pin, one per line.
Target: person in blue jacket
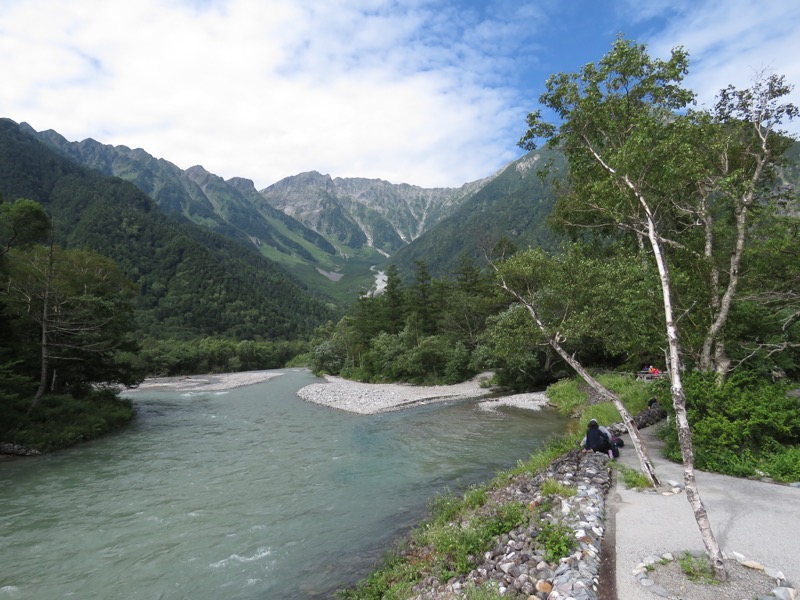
(597, 440)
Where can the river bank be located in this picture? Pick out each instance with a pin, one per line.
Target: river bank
(373, 398)
(214, 382)
(353, 396)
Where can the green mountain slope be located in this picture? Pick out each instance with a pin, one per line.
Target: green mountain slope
(232, 208)
(192, 280)
(515, 204)
(329, 233)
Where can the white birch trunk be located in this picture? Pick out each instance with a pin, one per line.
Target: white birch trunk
(679, 403)
(638, 443)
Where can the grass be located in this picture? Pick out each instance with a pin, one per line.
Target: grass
(697, 568)
(570, 397)
(551, 487)
(632, 478)
(461, 529)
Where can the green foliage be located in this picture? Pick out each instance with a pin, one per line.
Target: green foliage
(504, 519)
(567, 395)
(72, 307)
(781, 464)
(191, 281)
(513, 348)
(214, 355)
(739, 426)
(62, 421)
(22, 222)
(570, 396)
(557, 540)
(697, 568)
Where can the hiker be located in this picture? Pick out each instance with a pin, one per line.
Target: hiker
(598, 439)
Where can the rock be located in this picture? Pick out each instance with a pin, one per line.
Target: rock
(785, 593)
(774, 573)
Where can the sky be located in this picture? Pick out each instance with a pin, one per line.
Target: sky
(427, 92)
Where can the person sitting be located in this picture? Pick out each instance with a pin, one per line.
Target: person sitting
(597, 440)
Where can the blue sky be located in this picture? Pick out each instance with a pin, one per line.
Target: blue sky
(427, 92)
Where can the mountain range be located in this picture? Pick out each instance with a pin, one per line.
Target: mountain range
(218, 257)
(192, 281)
(333, 233)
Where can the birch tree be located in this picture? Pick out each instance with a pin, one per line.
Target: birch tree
(621, 127)
(557, 292)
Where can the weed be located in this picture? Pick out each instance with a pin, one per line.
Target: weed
(551, 487)
(488, 591)
(697, 568)
(504, 519)
(633, 479)
(558, 541)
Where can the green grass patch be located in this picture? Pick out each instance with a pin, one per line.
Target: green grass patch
(551, 487)
(570, 396)
(632, 478)
(558, 541)
(697, 568)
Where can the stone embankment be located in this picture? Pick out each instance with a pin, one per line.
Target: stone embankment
(517, 564)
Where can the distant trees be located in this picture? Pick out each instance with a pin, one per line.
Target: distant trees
(75, 308)
(65, 316)
(423, 331)
(22, 222)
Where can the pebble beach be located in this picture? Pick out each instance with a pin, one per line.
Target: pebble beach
(352, 396)
(372, 398)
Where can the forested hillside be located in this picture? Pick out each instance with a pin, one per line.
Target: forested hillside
(191, 281)
(328, 232)
(513, 206)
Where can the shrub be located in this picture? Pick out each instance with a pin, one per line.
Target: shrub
(62, 421)
(782, 465)
(739, 425)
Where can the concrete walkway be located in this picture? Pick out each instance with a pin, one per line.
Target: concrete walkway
(757, 519)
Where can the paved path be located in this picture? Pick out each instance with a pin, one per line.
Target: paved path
(759, 520)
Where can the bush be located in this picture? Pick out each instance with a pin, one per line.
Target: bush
(739, 427)
(62, 421)
(782, 465)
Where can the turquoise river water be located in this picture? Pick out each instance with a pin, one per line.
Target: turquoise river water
(246, 494)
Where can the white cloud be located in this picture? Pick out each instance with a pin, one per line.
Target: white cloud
(429, 92)
(732, 42)
(262, 89)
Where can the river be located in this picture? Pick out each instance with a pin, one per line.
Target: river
(246, 494)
